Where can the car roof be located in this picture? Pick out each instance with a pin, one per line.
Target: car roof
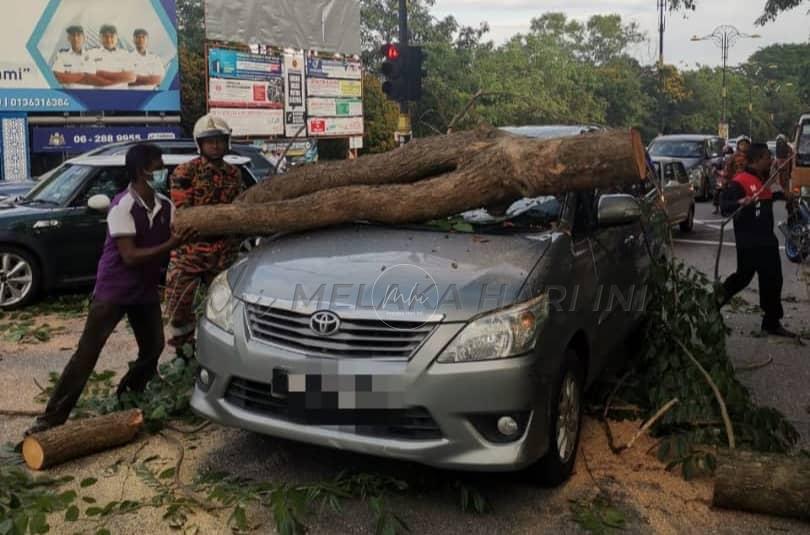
(686, 137)
(551, 130)
(118, 160)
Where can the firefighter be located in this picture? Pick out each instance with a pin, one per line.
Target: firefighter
(204, 181)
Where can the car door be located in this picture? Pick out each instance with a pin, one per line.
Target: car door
(83, 229)
(618, 252)
(677, 195)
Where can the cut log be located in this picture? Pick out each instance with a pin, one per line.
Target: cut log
(78, 438)
(419, 159)
(507, 169)
(763, 483)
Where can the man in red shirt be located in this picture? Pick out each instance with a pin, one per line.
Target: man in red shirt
(757, 246)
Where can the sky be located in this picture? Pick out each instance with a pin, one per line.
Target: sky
(507, 17)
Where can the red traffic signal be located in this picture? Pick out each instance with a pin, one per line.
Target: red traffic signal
(390, 51)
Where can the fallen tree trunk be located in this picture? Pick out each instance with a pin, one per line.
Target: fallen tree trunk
(78, 438)
(419, 159)
(508, 169)
(763, 483)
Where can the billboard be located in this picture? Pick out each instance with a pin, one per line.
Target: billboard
(90, 55)
(77, 140)
(294, 103)
(252, 122)
(13, 147)
(327, 25)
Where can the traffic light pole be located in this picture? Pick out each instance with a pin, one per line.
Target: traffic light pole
(404, 125)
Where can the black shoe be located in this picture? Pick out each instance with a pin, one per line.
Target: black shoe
(779, 331)
(38, 427)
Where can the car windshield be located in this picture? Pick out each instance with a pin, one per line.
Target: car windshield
(60, 186)
(522, 216)
(671, 148)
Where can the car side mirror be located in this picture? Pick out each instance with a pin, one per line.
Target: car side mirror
(99, 203)
(618, 209)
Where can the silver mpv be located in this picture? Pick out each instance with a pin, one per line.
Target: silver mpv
(431, 343)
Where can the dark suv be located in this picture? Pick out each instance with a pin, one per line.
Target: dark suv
(51, 238)
(700, 154)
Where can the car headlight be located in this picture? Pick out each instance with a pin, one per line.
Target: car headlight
(804, 191)
(220, 303)
(507, 333)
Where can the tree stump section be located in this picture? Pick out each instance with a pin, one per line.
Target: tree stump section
(500, 170)
(78, 438)
(763, 483)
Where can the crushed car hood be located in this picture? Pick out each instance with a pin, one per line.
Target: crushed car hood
(390, 273)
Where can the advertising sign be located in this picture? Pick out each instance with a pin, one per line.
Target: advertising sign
(301, 150)
(223, 63)
(252, 122)
(14, 146)
(327, 87)
(79, 140)
(335, 107)
(294, 111)
(90, 55)
(335, 126)
(331, 68)
(246, 94)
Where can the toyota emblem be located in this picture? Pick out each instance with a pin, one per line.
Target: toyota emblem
(324, 323)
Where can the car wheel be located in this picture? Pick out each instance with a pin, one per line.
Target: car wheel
(19, 278)
(792, 249)
(565, 424)
(689, 224)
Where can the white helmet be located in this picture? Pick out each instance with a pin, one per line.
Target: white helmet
(211, 126)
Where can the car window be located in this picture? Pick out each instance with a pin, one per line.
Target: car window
(803, 145)
(670, 148)
(60, 186)
(247, 179)
(109, 181)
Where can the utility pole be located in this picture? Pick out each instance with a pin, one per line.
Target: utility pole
(725, 37)
(662, 22)
(404, 126)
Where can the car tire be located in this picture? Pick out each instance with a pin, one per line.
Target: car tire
(555, 466)
(20, 271)
(792, 251)
(689, 223)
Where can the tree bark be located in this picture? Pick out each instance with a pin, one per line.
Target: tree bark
(505, 170)
(78, 438)
(763, 483)
(419, 159)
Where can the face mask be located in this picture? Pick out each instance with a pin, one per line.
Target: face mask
(158, 178)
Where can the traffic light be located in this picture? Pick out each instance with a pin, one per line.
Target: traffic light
(414, 72)
(403, 71)
(393, 68)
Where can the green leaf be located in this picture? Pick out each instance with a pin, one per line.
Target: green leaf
(88, 482)
(38, 524)
(72, 513)
(168, 473)
(93, 511)
(103, 531)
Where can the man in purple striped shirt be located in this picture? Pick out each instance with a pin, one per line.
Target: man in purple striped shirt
(138, 243)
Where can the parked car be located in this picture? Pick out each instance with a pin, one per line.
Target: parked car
(259, 166)
(413, 343)
(678, 193)
(700, 154)
(51, 238)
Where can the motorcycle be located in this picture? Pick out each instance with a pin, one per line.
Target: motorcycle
(797, 228)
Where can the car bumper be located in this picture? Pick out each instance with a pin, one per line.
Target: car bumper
(460, 399)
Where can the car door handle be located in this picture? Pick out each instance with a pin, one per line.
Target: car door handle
(630, 239)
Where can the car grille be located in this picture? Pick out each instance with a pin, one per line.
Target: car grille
(355, 339)
(413, 423)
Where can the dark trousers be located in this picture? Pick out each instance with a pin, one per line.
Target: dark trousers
(147, 325)
(766, 263)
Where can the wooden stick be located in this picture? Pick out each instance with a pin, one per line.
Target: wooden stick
(649, 423)
(717, 395)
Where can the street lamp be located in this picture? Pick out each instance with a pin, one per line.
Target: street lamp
(725, 37)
